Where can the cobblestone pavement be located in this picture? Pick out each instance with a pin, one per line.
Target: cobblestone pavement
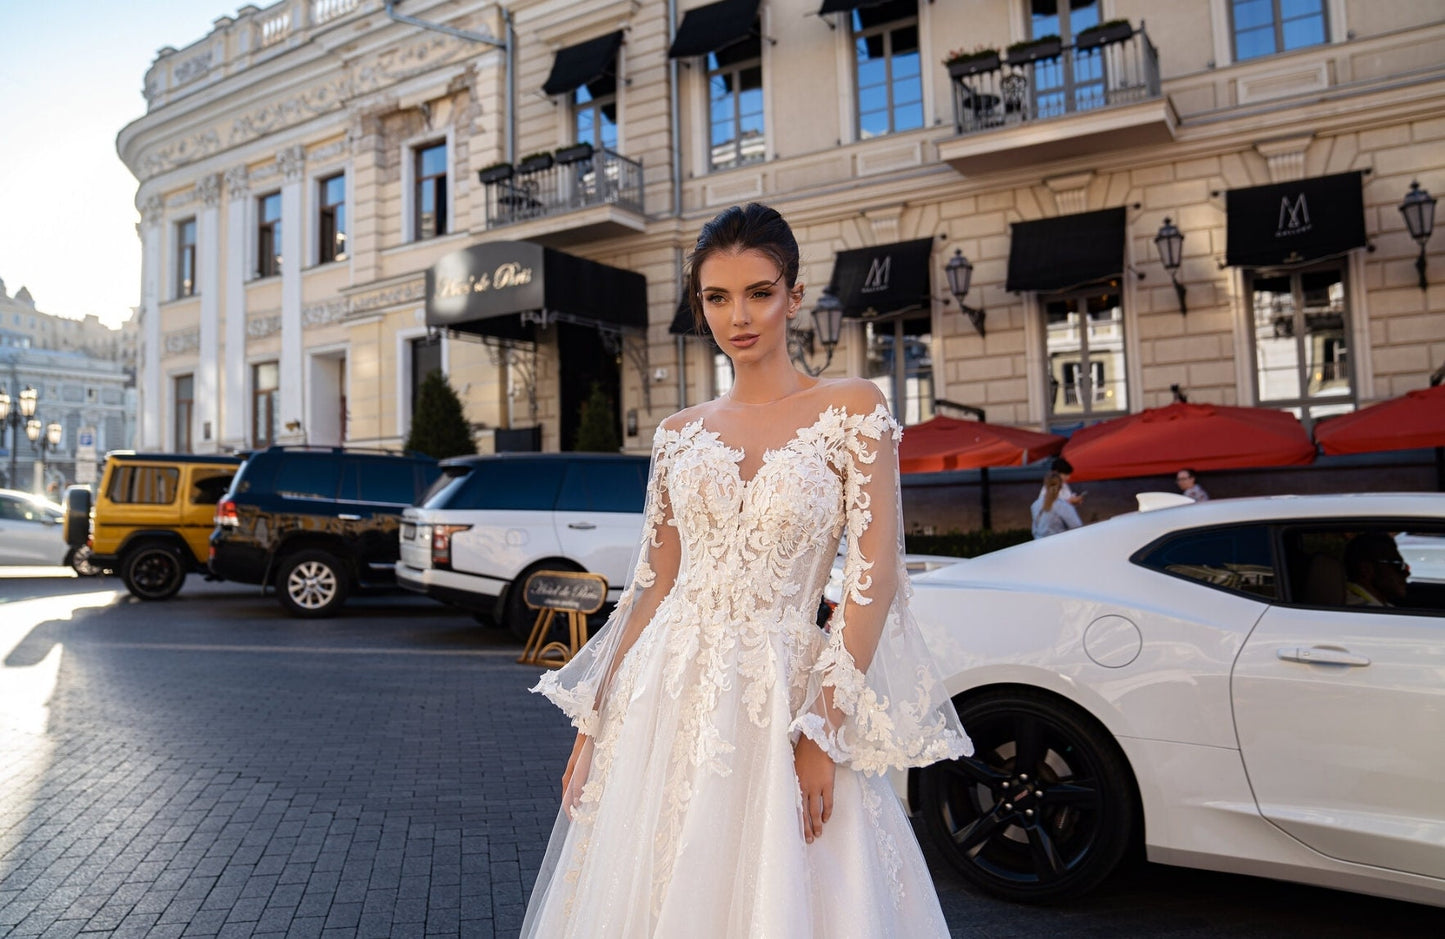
(210, 767)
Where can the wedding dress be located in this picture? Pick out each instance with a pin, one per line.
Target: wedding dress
(688, 820)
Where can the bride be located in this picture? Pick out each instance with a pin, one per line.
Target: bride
(729, 775)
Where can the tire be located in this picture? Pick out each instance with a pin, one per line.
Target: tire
(153, 571)
(76, 526)
(1042, 812)
(312, 584)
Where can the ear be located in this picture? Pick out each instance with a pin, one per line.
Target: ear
(795, 299)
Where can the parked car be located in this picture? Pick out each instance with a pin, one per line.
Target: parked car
(149, 519)
(316, 522)
(30, 530)
(494, 520)
(1204, 680)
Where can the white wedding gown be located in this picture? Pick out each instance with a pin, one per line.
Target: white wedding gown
(689, 823)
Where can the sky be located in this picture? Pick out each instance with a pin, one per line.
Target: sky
(70, 79)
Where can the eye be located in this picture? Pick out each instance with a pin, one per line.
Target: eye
(714, 298)
(762, 294)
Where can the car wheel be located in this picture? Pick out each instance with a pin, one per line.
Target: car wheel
(82, 562)
(152, 572)
(312, 584)
(1042, 811)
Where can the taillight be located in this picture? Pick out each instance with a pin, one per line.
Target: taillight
(226, 513)
(441, 543)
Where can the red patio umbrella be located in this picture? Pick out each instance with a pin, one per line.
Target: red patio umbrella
(947, 443)
(1414, 420)
(1201, 436)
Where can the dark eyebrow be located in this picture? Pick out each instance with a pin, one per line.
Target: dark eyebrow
(761, 283)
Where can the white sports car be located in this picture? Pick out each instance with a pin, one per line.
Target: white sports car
(1249, 685)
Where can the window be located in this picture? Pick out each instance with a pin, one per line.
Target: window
(185, 259)
(1084, 345)
(735, 103)
(1071, 82)
(145, 485)
(1239, 559)
(906, 380)
(1370, 566)
(268, 235)
(184, 396)
(265, 389)
(1265, 27)
(308, 476)
(1301, 341)
(332, 226)
(430, 198)
(426, 357)
(207, 487)
(604, 486)
(890, 81)
(528, 485)
(594, 112)
(391, 482)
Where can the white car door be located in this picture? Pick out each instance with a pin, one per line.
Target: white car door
(599, 515)
(1340, 713)
(29, 534)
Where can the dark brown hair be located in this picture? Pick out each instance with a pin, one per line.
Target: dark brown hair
(753, 227)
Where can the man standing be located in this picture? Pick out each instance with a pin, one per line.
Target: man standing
(1189, 485)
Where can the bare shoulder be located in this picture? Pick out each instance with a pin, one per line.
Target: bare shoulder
(677, 421)
(855, 395)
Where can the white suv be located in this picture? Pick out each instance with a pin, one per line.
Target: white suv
(490, 521)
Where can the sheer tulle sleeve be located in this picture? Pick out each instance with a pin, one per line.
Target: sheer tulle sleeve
(580, 688)
(874, 699)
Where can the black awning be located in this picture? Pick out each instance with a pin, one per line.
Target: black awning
(1067, 251)
(713, 27)
(1288, 223)
(485, 289)
(583, 64)
(683, 323)
(883, 279)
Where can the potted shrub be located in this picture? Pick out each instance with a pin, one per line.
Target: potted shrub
(535, 162)
(1034, 50)
(1104, 33)
(576, 153)
(961, 64)
(496, 172)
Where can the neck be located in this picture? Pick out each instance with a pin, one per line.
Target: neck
(764, 383)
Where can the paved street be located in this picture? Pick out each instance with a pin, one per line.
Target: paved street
(210, 767)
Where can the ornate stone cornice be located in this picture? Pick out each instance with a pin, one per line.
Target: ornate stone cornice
(208, 189)
(336, 148)
(238, 182)
(197, 66)
(292, 162)
(389, 296)
(179, 153)
(320, 314)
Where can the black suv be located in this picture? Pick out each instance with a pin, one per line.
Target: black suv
(316, 522)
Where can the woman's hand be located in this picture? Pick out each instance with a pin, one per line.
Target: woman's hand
(815, 771)
(576, 772)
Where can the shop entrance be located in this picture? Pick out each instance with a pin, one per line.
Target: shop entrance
(584, 360)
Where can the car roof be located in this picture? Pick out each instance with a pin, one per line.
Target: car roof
(216, 458)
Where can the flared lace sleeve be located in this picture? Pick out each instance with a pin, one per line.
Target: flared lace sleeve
(580, 687)
(874, 699)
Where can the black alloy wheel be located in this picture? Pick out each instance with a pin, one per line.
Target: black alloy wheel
(1044, 808)
(312, 584)
(153, 572)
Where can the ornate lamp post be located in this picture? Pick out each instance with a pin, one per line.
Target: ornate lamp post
(1419, 211)
(15, 414)
(47, 442)
(827, 325)
(1170, 242)
(959, 271)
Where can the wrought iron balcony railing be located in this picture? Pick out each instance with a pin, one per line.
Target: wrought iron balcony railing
(604, 178)
(1063, 81)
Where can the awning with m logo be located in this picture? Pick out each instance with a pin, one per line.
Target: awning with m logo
(883, 279)
(1066, 251)
(1295, 222)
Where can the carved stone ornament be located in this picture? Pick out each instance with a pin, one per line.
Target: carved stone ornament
(208, 189)
(182, 341)
(197, 66)
(179, 153)
(238, 182)
(336, 148)
(391, 296)
(153, 210)
(259, 327)
(319, 314)
(292, 161)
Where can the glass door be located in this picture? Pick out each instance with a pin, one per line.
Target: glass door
(1084, 339)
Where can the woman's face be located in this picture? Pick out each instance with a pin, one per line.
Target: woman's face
(747, 304)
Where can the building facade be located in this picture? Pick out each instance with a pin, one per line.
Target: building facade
(337, 197)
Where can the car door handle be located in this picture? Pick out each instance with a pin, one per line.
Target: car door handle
(349, 518)
(1322, 655)
(581, 526)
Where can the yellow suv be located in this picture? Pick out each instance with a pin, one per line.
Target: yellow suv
(151, 518)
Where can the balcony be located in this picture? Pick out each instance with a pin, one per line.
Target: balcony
(1051, 103)
(578, 195)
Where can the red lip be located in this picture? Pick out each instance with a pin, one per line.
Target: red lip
(743, 339)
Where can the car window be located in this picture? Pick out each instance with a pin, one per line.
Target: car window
(309, 476)
(392, 482)
(207, 490)
(144, 485)
(604, 486)
(12, 510)
(1239, 559)
(526, 485)
(1389, 564)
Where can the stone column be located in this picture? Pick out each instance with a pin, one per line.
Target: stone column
(150, 431)
(233, 376)
(208, 276)
(292, 161)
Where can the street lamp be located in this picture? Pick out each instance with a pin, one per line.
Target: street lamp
(15, 418)
(827, 325)
(47, 442)
(1170, 242)
(959, 271)
(1419, 211)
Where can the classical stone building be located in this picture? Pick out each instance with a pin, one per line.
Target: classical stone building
(339, 195)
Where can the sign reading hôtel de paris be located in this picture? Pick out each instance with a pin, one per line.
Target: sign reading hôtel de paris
(485, 280)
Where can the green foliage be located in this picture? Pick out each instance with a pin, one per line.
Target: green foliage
(438, 427)
(966, 544)
(597, 424)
